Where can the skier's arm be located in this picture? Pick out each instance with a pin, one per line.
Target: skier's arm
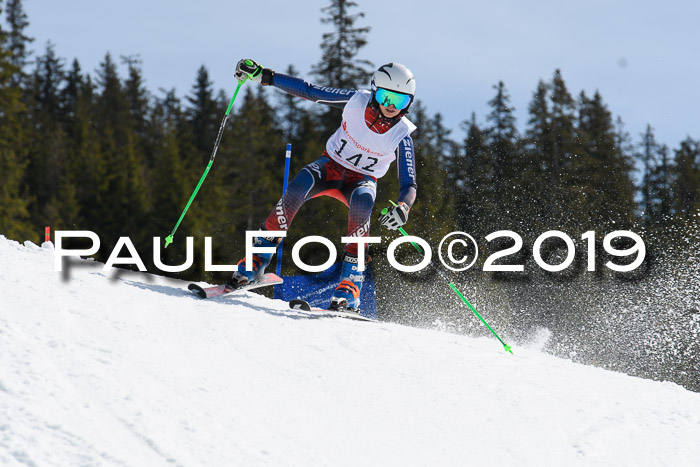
(406, 164)
(298, 87)
(250, 69)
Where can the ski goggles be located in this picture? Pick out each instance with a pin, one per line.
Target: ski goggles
(386, 98)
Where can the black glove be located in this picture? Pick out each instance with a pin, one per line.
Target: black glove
(248, 69)
(396, 217)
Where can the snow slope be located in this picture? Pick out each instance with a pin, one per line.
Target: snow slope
(113, 368)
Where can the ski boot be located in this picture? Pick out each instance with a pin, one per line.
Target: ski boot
(346, 296)
(260, 262)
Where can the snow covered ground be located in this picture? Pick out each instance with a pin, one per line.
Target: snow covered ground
(109, 368)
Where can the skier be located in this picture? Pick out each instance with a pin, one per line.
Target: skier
(373, 133)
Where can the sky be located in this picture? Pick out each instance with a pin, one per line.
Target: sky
(643, 56)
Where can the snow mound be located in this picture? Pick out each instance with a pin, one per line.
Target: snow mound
(119, 368)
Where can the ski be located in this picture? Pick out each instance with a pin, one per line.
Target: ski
(223, 289)
(303, 305)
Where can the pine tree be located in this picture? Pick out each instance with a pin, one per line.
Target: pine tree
(624, 143)
(686, 178)
(122, 198)
(473, 181)
(505, 161)
(552, 149)
(136, 95)
(603, 169)
(47, 148)
(70, 95)
(503, 130)
(564, 151)
(539, 146)
(464, 166)
(113, 106)
(647, 155)
(110, 110)
(14, 213)
(339, 66)
(52, 181)
(202, 115)
(660, 202)
(85, 160)
(170, 180)
(657, 181)
(259, 152)
(17, 40)
(46, 83)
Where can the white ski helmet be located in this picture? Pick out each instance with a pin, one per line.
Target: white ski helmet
(394, 77)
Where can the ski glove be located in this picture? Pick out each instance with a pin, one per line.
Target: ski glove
(248, 69)
(396, 217)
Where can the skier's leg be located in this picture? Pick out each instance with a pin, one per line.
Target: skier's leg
(361, 202)
(287, 207)
(304, 186)
(360, 205)
(309, 182)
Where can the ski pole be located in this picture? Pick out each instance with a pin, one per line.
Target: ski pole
(169, 238)
(453, 287)
(287, 160)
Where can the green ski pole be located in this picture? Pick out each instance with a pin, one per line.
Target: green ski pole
(169, 238)
(454, 288)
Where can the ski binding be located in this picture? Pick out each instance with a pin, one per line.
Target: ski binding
(303, 305)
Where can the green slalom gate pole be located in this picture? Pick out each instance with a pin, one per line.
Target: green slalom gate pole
(169, 238)
(454, 288)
